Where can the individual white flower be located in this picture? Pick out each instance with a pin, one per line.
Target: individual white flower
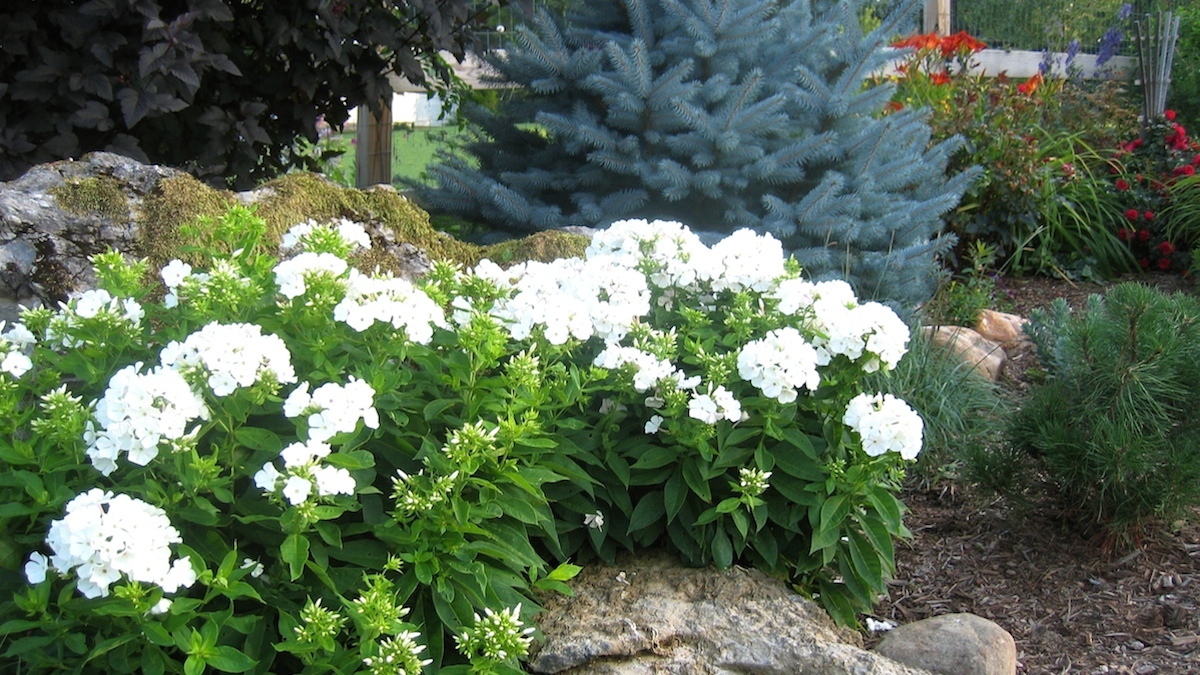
(161, 607)
(19, 336)
(255, 567)
(104, 537)
(594, 520)
(653, 425)
(885, 424)
(296, 489)
(36, 568)
(267, 478)
(16, 364)
(174, 273)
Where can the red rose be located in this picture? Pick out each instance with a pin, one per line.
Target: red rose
(1122, 185)
(1123, 234)
(1164, 264)
(1149, 215)
(1166, 248)
(1143, 235)
(1170, 115)
(1132, 214)
(1189, 170)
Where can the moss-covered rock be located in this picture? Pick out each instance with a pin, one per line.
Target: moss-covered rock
(100, 196)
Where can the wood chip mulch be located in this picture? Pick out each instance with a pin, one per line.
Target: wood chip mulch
(1073, 603)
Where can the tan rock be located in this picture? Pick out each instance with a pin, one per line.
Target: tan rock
(952, 644)
(1006, 329)
(984, 356)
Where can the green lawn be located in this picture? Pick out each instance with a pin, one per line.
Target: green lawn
(412, 150)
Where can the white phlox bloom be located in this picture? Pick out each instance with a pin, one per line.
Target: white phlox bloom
(333, 408)
(174, 272)
(654, 424)
(230, 356)
(887, 339)
(104, 537)
(885, 424)
(714, 406)
(138, 412)
(667, 252)
(13, 343)
(389, 300)
(291, 275)
(568, 298)
(648, 368)
(747, 260)
(594, 520)
(350, 232)
(90, 305)
(304, 475)
(794, 295)
(779, 364)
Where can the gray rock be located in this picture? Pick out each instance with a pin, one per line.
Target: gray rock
(953, 644)
(649, 614)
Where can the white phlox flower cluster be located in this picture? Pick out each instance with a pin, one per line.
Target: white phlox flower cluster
(779, 364)
(103, 537)
(292, 275)
(350, 232)
(648, 368)
(14, 344)
(747, 261)
(90, 305)
(568, 298)
(667, 252)
(389, 300)
(885, 424)
(332, 408)
(229, 356)
(869, 332)
(304, 475)
(138, 412)
(714, 406)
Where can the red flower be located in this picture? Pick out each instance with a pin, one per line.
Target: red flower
(1122, 185)
(1170, 115)
(1144, 263)
(1164, 264)
(1196, 160)
(1123, 234)
(1166, 248)
(1143, 235)
(1029, 86)
(893, 106)
(940, 78)
(1132, 214)
(1149, 215)
(1185, 170)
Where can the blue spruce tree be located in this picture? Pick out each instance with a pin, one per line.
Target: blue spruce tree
(721, 114)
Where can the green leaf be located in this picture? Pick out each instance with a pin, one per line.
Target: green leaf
(722, 549)
(294, 552)
(674, 495)
(728, 505)
(694, 479)
(888, 507)
(258, 439)
(657, 457)
(157, 634)
(564, 572)
(797, 464)
(194, 665)
(865, 561)
(649, 511)
(231, 660)
(881, 539)
(436, 407)
(741, 522)
(354, 460)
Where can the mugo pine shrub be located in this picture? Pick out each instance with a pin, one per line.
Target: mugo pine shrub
(722, 113)
(1116, 425)
(287, 465)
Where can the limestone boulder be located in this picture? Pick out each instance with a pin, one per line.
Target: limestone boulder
(982, 355)
(649, 614)
(57, 215)
(953, 644)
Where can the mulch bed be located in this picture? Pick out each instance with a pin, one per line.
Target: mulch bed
(1074, 603)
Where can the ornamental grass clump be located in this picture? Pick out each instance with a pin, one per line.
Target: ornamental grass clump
(1116, 425)
(278, 466)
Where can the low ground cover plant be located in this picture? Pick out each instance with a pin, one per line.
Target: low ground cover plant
(277, 462)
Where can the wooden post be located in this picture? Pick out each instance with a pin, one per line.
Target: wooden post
(373, 155)
(937, 17)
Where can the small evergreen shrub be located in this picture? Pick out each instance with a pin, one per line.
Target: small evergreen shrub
(1116, 425)
(724, 114)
